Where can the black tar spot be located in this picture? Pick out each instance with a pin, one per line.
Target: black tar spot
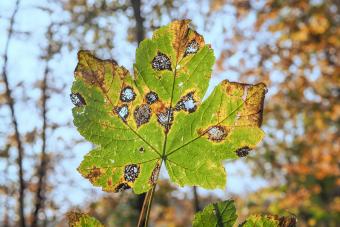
(77, 99)
(161, 62)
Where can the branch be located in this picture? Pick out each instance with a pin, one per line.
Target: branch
(196, 199)
(136, 5)
(10, 103)
(42, 168)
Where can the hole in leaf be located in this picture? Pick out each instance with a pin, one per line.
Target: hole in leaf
(187, 103)
(122, 187)
(166, 118)
(142, 114)
(77, 99)
(243, 151)
(151, 97)
(127, 94)
(217, 133)
(161, 62)
(192, 48)
(131, 172)
(122, 111)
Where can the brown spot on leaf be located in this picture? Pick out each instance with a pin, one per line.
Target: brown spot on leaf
(154, 174)
(131, 172)
(243, 151)
(142, 114)
(252, 96)
(92, 77)
(93, 174)
(161, 62)
(185, 37)
(187, 103)
(166, 118)
(127, 94)
(109, 182)
(77, 99)
(121, 187)
(217, 133)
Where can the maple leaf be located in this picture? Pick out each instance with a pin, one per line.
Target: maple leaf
(158, 116)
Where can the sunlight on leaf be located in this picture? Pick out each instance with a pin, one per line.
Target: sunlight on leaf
(158, 117)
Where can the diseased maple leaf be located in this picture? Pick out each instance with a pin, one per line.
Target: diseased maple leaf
(158, 116)
(77, 219)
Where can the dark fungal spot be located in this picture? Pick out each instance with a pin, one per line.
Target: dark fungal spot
(166, 118)
(151, 97)
(217, 133)
(154, 175)
(142, 114)
(131, 172)
(127, 94)
(141, 149)
(121, 187)
(122, 111)
(243, 151)
(161, 62)
(77, 99)
(187, 103)
(192, 48)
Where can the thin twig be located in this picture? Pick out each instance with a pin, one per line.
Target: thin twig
(42, 168)
(10, 103)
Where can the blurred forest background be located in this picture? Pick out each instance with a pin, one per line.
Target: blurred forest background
(292, 46)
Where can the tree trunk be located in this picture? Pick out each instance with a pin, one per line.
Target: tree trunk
(140, 31)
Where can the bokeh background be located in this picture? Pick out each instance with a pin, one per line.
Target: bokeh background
(292, 46)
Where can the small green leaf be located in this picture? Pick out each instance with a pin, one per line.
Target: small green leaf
(158, 116)
(260, 221)
(222, 214)
(82, 220)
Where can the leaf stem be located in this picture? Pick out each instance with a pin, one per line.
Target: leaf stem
(141, 215)
(149, 205)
